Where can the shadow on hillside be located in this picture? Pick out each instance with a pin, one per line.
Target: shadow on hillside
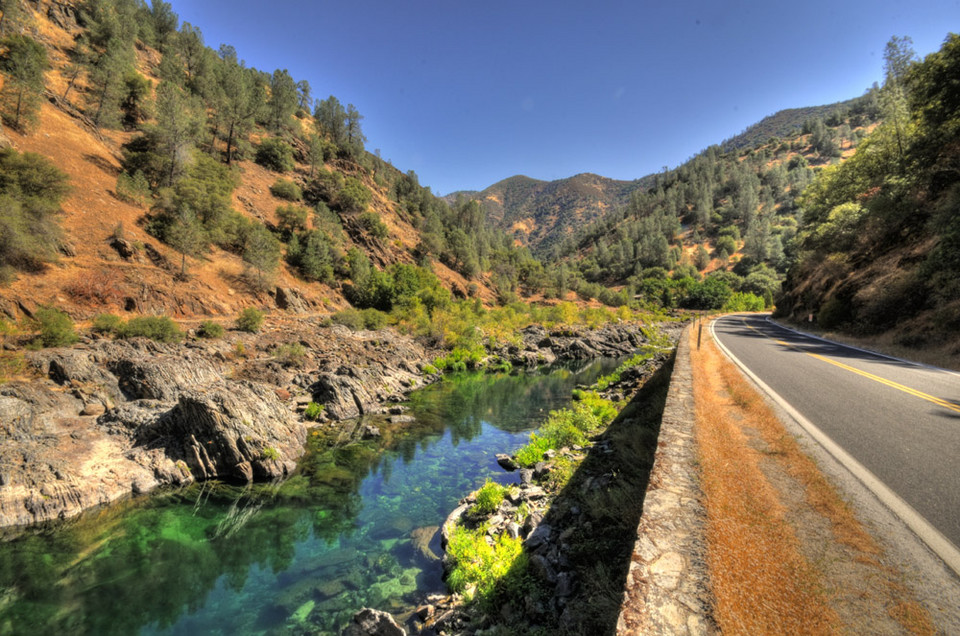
(574, 585)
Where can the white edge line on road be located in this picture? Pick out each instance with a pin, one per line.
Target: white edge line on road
(873, 353)
(932, 537)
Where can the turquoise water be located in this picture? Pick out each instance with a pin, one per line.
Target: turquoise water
(354, 527)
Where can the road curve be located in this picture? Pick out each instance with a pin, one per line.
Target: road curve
(899, 420)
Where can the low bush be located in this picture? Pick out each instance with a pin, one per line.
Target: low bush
(276, 155)
(106, 323)
(313, 411)
(478, 566)
(357, 319)
(210, 329)
(286, 189)
(489, 498)
(158, 328)
(56, 328)
(250, 320)
(460, 359)
(370, 221)
(270, 453)
(290, 355)
(133, 189)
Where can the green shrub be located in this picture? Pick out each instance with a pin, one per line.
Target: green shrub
(31, 189)
(210, 329)
(489, 498)
(275, 155)
(479, 566)
(354, 197)
(292, 354)
(133, 189)
(833, 313)
(745, 301)
(56, 327)
(291, 219)
(371, 222)
(313, 411)
(158, 328)
(429, 369)
(250, 320)
(106, 323)
(286, 189)
(534, 451)
(460, 359)
(357, 319)
(271, 453)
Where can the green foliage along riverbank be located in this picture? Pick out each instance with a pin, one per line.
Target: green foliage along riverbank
(551, 555)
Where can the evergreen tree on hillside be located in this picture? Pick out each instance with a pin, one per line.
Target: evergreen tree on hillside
(283, 100)
(331, 120)
(243, 100)
(10, 16)
(22, 62)
(179, 123)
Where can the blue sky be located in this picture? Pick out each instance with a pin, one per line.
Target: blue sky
(469, 93)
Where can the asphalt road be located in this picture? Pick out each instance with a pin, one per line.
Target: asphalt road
(899, 420)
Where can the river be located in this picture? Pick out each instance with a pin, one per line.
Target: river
(353, 527)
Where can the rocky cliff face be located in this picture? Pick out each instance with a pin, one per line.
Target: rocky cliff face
(106, 419)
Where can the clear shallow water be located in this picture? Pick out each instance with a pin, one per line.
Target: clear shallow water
(354, 527)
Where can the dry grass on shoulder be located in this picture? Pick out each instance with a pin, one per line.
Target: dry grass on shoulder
(761, 582)
(764, 577)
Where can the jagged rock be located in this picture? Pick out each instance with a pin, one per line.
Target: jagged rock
(123, 247)
(54, 464)
(369, 431)
(63, 14)
(541, 470)
(162, 377)
(565, 585)
(542, 569)
(526, 476)
(506, 462)
(237, 430)
(290, 300)
(93, 409)
(371, 622)
(538, 536)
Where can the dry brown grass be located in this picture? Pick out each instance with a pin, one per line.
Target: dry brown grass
(761, 582)
(761, 579)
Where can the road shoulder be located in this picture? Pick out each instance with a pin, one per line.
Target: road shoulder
(841, 559)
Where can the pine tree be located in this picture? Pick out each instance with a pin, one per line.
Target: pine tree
(283, 100)
(22, 65)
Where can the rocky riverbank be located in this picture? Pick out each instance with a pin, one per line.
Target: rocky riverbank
(577, 531)
(107, 418)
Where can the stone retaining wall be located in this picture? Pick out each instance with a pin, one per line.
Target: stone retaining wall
(667, 590)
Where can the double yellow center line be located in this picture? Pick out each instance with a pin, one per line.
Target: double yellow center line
(876, 378)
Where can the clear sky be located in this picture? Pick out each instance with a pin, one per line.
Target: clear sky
(467, 93)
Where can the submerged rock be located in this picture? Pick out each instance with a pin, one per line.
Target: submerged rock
(371, 622)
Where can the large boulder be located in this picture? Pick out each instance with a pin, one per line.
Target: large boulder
(233, 430)
(55, 462)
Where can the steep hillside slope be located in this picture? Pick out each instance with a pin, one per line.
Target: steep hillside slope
(540, 214)
(728, 214)
(788, 122)
(114, 258)
(879, 249)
